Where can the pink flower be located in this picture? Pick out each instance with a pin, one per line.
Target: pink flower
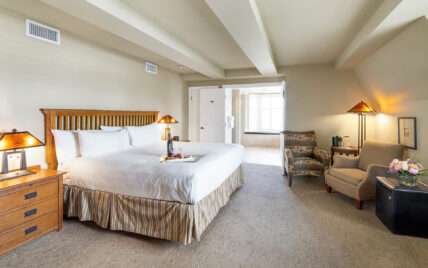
(398, 167)
(392, 168)
(414, 166)
(420, 166)
(413, 171)
(410, 162)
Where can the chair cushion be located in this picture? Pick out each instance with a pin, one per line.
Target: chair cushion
(351, 175)
(292, 138)
(307, 163)
(301, 151)
(381, 153)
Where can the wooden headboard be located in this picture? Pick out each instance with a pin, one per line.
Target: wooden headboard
(66, 119)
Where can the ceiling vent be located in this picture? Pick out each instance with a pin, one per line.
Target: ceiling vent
(151, 68)
(42, 32)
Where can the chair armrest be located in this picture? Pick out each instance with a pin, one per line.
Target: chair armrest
(367, 188)
(342, 161)
(289, 161)
(322, 156)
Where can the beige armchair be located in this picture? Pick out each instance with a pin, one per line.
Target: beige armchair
(356, 176)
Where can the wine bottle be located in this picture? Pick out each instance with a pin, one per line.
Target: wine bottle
(170, 147)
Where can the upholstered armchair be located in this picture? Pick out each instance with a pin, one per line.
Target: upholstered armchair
(356, 176)
(300, 155)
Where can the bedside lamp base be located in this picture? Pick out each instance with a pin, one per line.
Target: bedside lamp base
(6, 175)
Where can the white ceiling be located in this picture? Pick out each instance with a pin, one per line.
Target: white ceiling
(312, 31)
(193, 22)
(225, 37)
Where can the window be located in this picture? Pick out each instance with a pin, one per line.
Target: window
(264, 113)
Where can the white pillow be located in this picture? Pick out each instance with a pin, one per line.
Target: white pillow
(66, 145)
(111, 128)
(102, 143)
(144, 135)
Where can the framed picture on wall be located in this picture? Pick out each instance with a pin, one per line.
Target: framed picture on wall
(407, 132)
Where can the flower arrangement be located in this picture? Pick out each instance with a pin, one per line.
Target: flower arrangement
(408, 171)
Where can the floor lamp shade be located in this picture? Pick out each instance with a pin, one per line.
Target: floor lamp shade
(361, 109)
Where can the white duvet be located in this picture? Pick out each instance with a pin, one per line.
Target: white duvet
(138, 172)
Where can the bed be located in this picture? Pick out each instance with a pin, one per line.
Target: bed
(133, 191)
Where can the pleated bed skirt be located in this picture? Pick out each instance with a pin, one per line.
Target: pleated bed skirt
(155, 218)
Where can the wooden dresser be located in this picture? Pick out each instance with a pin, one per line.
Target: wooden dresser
(30, 207)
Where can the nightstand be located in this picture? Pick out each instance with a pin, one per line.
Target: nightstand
(404, 210)
(30, 207)
(343, 150)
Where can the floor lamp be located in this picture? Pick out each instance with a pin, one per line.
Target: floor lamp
(361, 109)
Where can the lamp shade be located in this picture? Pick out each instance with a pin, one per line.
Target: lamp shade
(361, 107)
(167, 119)
(18, 140)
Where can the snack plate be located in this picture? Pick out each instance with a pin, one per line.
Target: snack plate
(179, 160)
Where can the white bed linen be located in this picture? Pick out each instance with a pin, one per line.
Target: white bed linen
(138, 172)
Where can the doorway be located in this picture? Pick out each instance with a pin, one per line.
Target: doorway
(247, 114)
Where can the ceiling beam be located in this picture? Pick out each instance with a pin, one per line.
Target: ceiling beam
(242, 20)
(116, 17)
(389, 20)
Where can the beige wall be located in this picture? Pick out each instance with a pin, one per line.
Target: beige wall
(397, 77)
(76, 74)
(387, 128)
(318, 97)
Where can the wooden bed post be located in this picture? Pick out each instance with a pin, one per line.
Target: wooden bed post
(49, 140)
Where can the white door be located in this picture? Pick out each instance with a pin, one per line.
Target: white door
(212, 115)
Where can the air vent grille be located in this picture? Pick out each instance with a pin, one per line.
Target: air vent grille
(151, 68)
(42, 32)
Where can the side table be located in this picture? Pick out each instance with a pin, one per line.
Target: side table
(404, 210)
(343, 150)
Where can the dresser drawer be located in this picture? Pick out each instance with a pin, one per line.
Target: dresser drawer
(18, 236)
(19, 216)
(28, 195)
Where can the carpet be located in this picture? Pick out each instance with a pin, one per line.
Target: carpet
(265, 224)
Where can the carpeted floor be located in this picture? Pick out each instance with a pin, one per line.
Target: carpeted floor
(265, 224)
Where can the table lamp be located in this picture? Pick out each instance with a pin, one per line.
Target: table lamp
(361, 109)
(167, 119)
(10, 142)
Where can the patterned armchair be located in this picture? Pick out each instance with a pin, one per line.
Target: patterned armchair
(300, 155)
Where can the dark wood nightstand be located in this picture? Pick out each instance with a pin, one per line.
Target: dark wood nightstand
(404, 210)
(343, 150)
(30, 207)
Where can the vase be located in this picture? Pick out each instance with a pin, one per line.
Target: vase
(407, 180)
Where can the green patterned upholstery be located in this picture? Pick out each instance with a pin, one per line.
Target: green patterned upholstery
(301, 157)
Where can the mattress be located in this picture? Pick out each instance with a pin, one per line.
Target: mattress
(138, 172)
